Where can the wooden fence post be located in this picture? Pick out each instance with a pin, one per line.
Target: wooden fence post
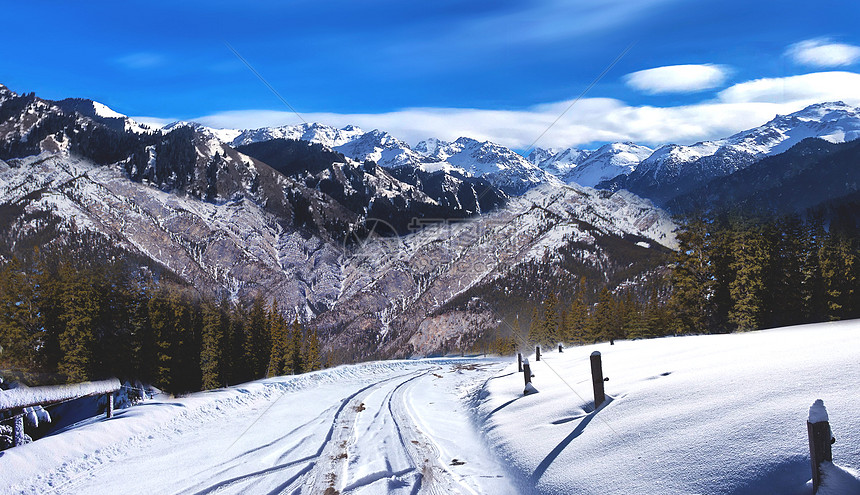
(527, 372)
(820, 439)
(537, 353)
(109, 412)
(520, 362)
(527, 376)
(597, 379)
(18, 428)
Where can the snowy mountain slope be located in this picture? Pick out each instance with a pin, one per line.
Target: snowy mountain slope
(231, 224)
(504, 168)
(400, 284)
(233, 248)
(312, 132)
(673, 169)
(812, 174)
(606, 162)
(103, 114)
(394, 195)
(538, 155)
(563, 162)
(710, 414)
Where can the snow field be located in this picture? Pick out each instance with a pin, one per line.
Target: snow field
(347, 429)
(720, 414)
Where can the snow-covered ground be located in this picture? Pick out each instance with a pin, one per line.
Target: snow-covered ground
(386, 427)
(722, 414)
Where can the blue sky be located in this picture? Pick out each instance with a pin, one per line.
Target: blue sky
(496, 69)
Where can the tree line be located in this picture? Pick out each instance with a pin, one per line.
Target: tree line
(86, 310)
(732, 272)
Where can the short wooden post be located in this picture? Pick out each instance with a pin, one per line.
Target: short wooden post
(18, 428)
(520, 362)
(109, 412)
(597, 379)
(559, 349)
(537, 353)
(527, 376)
(820, 440)
(527, 372)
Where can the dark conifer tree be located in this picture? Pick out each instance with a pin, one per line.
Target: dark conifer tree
(293, 357)
(278, 335)
(213, 346)
(311, 359)
(80, 309)
(257, 345)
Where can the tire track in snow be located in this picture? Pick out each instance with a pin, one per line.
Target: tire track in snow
(311, 469)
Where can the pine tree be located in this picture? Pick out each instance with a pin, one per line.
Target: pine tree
(80, 307)
(633, 322)
(293, 356)
(655, 316)
(692, 279)
(550, 333)
(604, 322)
(311, 360)
(16, 317)
(257, 345)
(577, 319)
(789, 291)
(839, 273)
(161, 321)
(536, 329)
(279, 337)
(237, 368)
(211, 352)
(751, 259)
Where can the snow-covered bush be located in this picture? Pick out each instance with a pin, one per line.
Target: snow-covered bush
(6, 437)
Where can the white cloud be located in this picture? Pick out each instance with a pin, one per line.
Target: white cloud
(823, 53)
(677, 78)
(814, 87)
(590, 120)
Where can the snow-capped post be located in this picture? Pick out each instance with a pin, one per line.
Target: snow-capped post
(537, 353)
(18, 428)
(820, 440)
(520, 362)
(109, 407)
(597, 379)
(527, 376)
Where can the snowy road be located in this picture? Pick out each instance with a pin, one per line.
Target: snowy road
(399, 427)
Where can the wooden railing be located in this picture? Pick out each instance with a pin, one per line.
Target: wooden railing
(16, 400)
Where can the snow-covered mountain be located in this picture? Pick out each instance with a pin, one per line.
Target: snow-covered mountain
(313, 132)
(388, 151)
(500, 166)
(103, 114)
(404, 286)
(608, 161)
(292, 219)
(673, 170)
(560, 163)
(506, 169)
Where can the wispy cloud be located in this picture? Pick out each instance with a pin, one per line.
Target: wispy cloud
(823, 52)
(140, 60)
(678, 78)
(591, 120)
